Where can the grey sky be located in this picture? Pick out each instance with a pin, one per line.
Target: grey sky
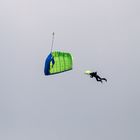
(101, 35)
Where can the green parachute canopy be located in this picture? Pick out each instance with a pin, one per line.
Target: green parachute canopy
(58, 62)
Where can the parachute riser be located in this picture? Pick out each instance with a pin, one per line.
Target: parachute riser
(52, 42)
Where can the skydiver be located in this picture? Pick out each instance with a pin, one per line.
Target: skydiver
(52, 60)
(98, 78)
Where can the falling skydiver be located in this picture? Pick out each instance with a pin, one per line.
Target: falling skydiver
(94, 74)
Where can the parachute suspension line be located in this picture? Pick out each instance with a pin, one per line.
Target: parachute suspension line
(52, 41)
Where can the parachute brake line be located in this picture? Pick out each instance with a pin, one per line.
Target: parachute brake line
(52, 41)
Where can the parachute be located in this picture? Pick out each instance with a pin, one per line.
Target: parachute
(58, 62)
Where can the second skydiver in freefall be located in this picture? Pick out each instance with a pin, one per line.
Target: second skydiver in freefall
(94, 74)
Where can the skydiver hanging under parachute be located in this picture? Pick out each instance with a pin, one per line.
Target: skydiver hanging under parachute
(94, 74)
(57, 61)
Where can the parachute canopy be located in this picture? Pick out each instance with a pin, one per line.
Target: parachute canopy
(58, 62)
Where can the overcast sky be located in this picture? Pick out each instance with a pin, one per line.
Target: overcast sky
(103, 36)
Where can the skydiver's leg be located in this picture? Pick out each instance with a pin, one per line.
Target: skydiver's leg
(104, 79)
(98, 79)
